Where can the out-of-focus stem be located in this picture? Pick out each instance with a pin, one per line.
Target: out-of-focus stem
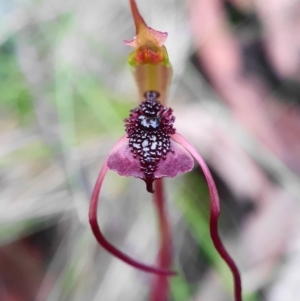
(160, 289)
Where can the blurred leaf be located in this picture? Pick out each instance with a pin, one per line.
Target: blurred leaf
(15, 96)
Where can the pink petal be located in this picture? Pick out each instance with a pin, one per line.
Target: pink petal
(214, 214)
(179, 161)
(122, 161)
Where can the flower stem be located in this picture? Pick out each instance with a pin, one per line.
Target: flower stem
(160, 290)
(214, 214)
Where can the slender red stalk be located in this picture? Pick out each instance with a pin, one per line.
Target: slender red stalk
(214, 214)
(160, 290)
(100, 237)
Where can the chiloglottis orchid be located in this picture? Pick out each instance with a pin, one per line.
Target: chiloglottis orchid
(152, 149)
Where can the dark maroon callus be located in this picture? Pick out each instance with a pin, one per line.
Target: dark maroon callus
(149, 127)
(149, 153)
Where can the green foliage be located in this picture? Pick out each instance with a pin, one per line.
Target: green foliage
(15, 98)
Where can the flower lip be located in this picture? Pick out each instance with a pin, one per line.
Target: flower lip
(122, 160)
(149, 152)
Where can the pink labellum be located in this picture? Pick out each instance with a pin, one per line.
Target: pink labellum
(122, 160)
(177, 162)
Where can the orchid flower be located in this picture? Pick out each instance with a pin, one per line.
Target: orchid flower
(151, 149)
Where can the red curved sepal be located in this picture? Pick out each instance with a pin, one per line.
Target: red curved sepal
(214, 214)
(100, 237)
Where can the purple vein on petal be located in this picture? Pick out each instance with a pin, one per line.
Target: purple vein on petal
(214, 214)
(100, 237)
